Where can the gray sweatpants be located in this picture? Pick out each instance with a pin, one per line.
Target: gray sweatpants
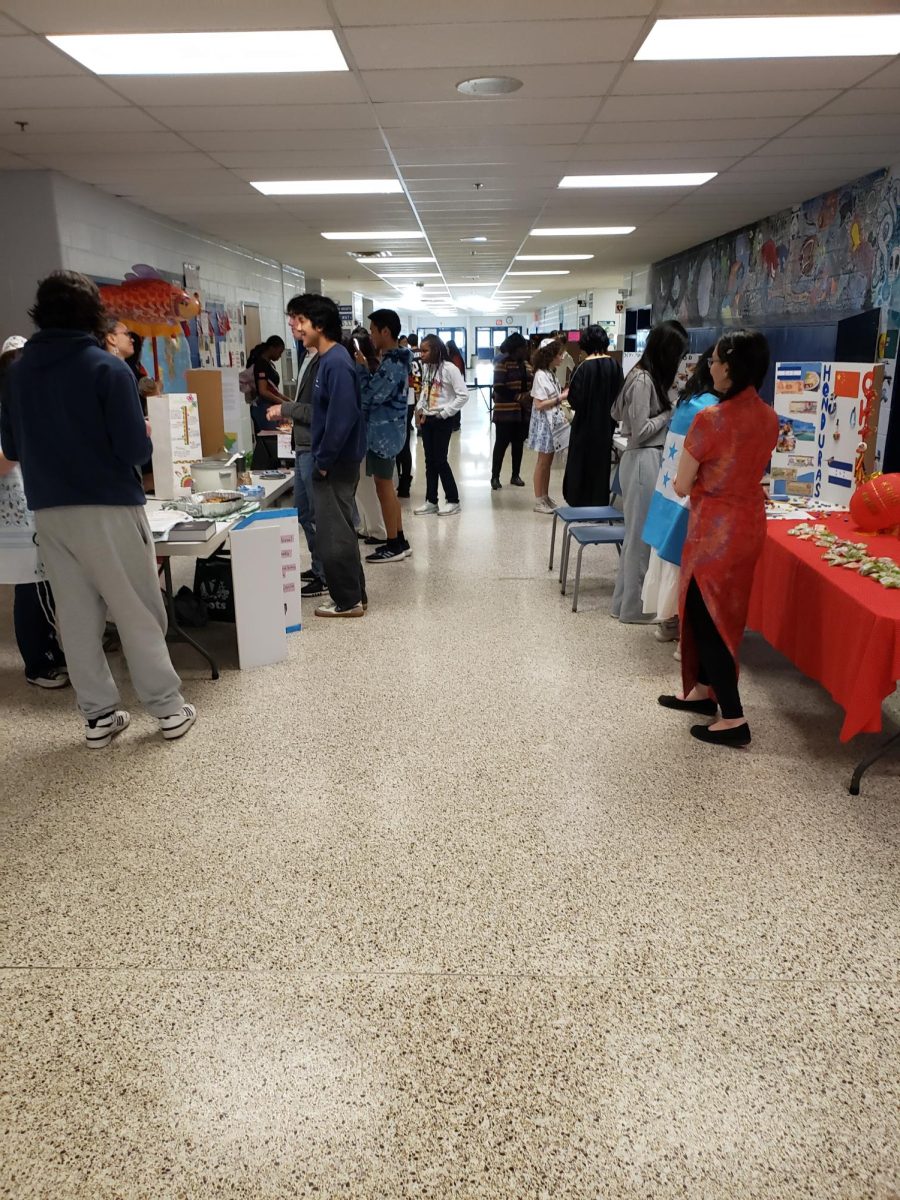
(638, 472)
(100, 557)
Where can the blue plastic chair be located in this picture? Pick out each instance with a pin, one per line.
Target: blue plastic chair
(572, 516)
(593, 535)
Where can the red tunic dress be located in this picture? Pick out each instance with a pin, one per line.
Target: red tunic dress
(733, 443)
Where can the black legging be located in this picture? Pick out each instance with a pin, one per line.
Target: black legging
(404, 458)
(510, 433)
(718, 669)
(436, 434)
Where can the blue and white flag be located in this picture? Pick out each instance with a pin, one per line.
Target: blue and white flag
(667, 519)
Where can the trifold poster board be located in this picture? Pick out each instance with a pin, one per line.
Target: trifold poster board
(258, 600)
(284, 522)
(225, 422)
(827, 428)
(177, 445)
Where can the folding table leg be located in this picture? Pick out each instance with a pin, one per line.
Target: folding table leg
(564, 556)
(577, 579)
(867, 762)
(552, 541)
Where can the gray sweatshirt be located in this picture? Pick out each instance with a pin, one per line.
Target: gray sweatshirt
(300, 410)
(637, 407)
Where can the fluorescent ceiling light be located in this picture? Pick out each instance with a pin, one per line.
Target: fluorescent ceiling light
(773, 37)
(585, 231)
(474, 239)
(392, 260)
(676, 179)
(412, 278)
(537, 273)
(382, 235)
(247, 52)
(327, 187)
(552, 257)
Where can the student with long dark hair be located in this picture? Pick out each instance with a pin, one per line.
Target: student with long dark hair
(263, 359)
(511, 414)
(593, 388)
(644, 410)
(546, 396)
(725, 454)
(441, 400)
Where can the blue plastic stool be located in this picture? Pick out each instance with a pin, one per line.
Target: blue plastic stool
(593, 535)
(572, 516)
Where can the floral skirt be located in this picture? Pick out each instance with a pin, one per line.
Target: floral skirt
(539, 436)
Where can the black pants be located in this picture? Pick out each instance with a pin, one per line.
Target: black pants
(404, 458)
(718, 669)
(510, 433)
(436, 434)
(35, 633)
(336, 540)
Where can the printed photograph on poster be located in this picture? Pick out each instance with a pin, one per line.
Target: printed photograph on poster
(797, 405)
(847, 425)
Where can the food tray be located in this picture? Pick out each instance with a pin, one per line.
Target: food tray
(210, 504)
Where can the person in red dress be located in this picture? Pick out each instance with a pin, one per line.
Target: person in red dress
(726, 453)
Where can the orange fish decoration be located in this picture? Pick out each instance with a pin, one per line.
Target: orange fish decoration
(150, 305)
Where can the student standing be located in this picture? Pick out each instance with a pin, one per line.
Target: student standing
(546, 397)
(384, 394)
(338, 443)
(85, 491)
(441, 400)
(370, 521)
(592, 391)
(644, 409)
(511, 413)
(404, 458)
(725, 454)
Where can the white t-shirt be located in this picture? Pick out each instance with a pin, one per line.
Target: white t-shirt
(545, 386)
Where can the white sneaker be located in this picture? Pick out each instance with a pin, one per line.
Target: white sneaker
(544, 506)
(331, 610)
(550, 501)
(104, 729)
(427, 510)
(667, 630)
(450, 510)
(177, 725)
(677, 654)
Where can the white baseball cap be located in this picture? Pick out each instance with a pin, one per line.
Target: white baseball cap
(548, 342)
(16, 342)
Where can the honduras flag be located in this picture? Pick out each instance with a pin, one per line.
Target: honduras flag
(667, 519)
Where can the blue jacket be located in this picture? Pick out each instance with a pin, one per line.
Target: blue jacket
(338, 431)
(384, 402)
(72, 417)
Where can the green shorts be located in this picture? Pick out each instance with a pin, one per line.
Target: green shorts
(381, 468)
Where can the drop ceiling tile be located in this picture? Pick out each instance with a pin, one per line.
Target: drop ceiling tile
(331, 87)
(301, 141)
(723, 104)
(29, 56)
(299, 164)
(481, 112)
(225, 117)
(889, 77)
(89, 142)
(484, 136)
(846, 126)
(696, 130)
(122, 161)
(91, 122)
(519, 156)
(776, 75)
(8, 27)
(497, 45)
(63, 16)
(539, 82)
(163, 182)
(14, 162)
(887, 145)
(63, 91)
(414, 12)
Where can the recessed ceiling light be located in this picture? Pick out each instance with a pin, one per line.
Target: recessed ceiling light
(585, 231)
(683, 179)
(773, 37)
(383, 235)
(552, 257)
(474, 239)
(247, 52)
(537, 273)
(327, 187)
(390, 260)
(489, 85)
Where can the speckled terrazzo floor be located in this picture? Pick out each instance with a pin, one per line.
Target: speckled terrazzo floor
(445, 906)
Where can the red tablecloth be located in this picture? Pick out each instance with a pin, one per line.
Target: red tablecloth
(837, 628)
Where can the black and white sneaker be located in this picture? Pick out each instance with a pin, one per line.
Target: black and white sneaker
(308, 576)
(315, 587)
(100, 731)
(177, 725)
(388, 553)
(54, 677)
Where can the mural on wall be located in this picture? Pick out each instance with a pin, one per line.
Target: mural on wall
(833, 255)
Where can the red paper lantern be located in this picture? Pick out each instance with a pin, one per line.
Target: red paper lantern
(876, 504)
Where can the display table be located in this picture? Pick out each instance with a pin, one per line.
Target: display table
(837, 628)
(274, 488)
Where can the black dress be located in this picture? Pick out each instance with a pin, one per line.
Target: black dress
(592, 390)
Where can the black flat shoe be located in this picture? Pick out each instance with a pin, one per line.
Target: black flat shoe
(517, 481)
(705, 708)
(496, 485)
(738, 736)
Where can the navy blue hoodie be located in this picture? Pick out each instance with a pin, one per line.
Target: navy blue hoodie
(338, 429)
(71, 415)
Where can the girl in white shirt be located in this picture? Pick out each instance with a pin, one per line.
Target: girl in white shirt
(546, 395)
(442, 395)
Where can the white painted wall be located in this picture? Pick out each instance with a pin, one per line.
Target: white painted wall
(600, 304)
(29, 244)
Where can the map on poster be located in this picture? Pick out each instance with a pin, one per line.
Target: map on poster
(826, 421)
